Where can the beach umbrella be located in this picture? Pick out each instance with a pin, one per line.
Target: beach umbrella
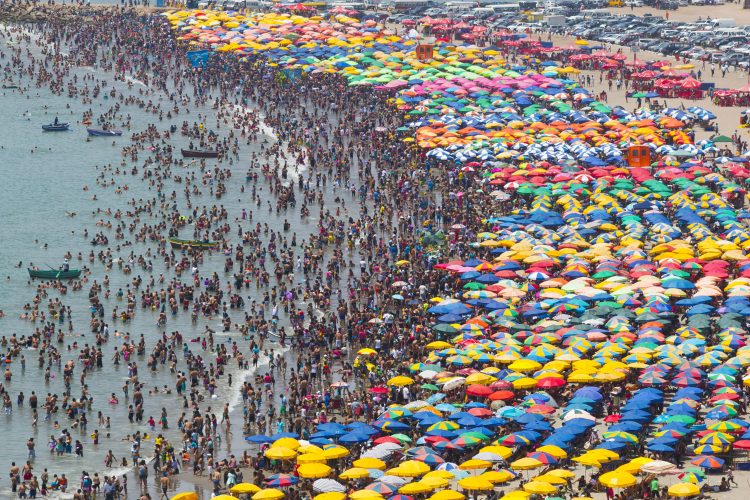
(474, 464)
(332, 495)
(281, 480)
(684, 490)
(185, 495)
(328, 486)
(369, 463)
(280, 453)
(617, 479)
(314, 470)
(475, 484)
(268, 494)
(539, 487)
(243, 488)
(365, 495)
(708, 462)
(447, 495)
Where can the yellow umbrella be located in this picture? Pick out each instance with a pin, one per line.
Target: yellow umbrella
(442, 474)
(400, 381)
(684, 490)
(312, 458)
(553, 450)
(331, 495)
(497, 476)
(269, 494)
(355, 473)
(290, 443)
(526, 463)
(365, 495)
(565, 474)
(415, 488)
(539, 487)
(551, 479)
(410, 468)
(367, 351)
(447, 495)
(335, 452)
(280, 453)
(243, 488)
(309, 448)
(369, 463)
(475, 464)
(475, 484)
(503, 451)
(224, 497)
(516, 495)
(435, 481)
(314, 471)
(186, 495)
(438, 344)
(617, 479)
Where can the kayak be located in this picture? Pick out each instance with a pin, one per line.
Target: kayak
(197, 153)
(179, 244)
(97, 132)
(52, 274)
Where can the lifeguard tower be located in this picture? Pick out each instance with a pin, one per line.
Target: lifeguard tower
(639, 156)
(425, 48)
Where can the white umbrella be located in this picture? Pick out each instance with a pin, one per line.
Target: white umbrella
(394, 480)
(381, 451)
(328, 486)
(489, 456)
(454, 383)
(428, 374)
(658, 467)
(575, 413)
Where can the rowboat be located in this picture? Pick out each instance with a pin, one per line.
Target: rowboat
(98, 132)
(56, 127)
(180, 244)
(52, 274)
(197, 153)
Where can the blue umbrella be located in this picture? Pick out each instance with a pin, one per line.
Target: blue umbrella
(660, 448)
(259, 438)
(353, 437)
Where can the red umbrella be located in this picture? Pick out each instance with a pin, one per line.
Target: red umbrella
(550, 382)
(541, 409)
(386, 439)
(478, 390)
(502, 395)
(690, 83)
(480, 412)
(379, 390)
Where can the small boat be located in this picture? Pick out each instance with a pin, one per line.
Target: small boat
(184, 244)
(56, 127)
(98, 132)
(52, 274)
(197, 153)
(11, 87)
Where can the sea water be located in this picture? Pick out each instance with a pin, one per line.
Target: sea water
(43, 178)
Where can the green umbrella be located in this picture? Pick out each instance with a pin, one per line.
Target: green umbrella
(721, 138)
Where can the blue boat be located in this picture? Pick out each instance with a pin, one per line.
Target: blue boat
(56, 127)
(97, 132)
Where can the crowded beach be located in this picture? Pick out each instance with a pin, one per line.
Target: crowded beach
(513, 271)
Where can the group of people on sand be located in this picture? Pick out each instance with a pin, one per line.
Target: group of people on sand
(311, 282)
